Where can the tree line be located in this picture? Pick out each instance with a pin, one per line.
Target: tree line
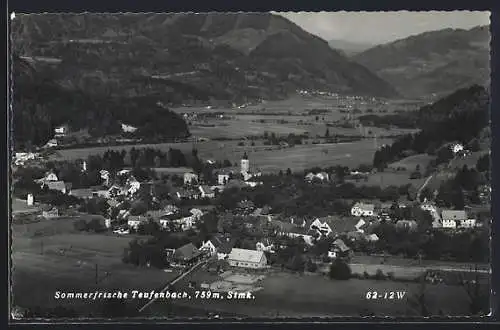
(459, 117)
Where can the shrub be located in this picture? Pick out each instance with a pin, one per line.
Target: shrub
(340, 270)
(379, 275)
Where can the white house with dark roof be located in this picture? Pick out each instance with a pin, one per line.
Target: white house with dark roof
(452, 218)
(363, 210)
(219, 245)
(247, 258)
(206, 192)
(58, 185)
(134, 221)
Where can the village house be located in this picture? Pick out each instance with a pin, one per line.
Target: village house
(61, 186)
(190, 178)
(84, 193)
(457, 147)
(134, 221)
(321, 176)
(49, 212)
(468, 223)
(184, 194)
(61, 131)
(307, 235)
(219, 245)
(187, 254)
(265, 245)
(339, 249)
(452, 218)
(132, 186)
(51, 143)
(116, 190)
(223, 178)
(206, 192)
(247, 258)
(363, 210)
(485, 194)
(49, 176)
(105, 176)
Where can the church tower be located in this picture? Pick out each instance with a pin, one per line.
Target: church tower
(245, 164)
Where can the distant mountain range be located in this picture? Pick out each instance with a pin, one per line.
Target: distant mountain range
(437, 62)
(349, 48)
(179, 58)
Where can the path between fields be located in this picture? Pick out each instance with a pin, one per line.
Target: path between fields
(424, 185)
(169, 284)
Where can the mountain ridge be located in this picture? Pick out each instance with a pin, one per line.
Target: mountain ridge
(433, 62)
(230, 56)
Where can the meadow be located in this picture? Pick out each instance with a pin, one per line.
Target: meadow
(266, 158)
(303, 295)
(50, 255)
(279, 117)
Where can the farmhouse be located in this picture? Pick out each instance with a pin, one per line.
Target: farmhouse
(363, 210)
(51, 143)
(50, 176)
(206, 192)
(322, 176)
(247, 258)
(187, 254)
(59, 186)
(339, 249)
(265, 245)
(218, 245)
(223, 177)
(190, 178)
(61, 131)
(84, 193)
(132, 185)
(134, 221)
(49, 212)
(450, 218)
(468, 223)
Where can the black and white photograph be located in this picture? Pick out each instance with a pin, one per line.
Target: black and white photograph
(272, 165)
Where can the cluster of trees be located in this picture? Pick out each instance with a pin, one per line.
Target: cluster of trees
(40, 105)
(293, 196)
(467, 246)
(406, 120)
(458, 117)
(151, 252)
(274, 139)
(461, 189)
(94, 225)
(151, 157)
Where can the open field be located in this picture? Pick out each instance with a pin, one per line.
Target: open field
(389, 178)
(61, 259)
(283, 117)
(293, 295)
(469, 160)
(360, 259)
(266, 158)
(410, 163)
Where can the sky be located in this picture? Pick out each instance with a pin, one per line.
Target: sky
(382, 27)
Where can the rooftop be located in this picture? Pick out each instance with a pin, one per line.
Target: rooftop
(245, 255)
